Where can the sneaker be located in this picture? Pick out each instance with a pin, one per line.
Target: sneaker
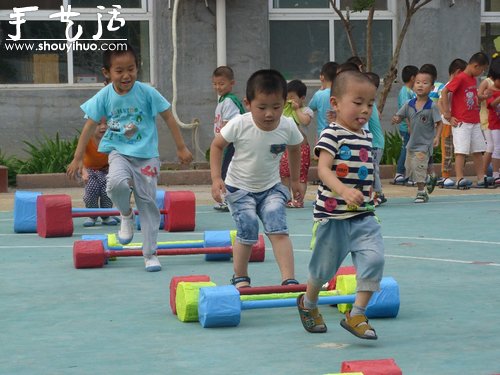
(152, 264)
(422, 197)
(109, 221)
(448, 182)
(222, 207)
(126, 232)
(379, 199)
(311, 318)
(90, 222)
(431, 183)
(399, 179)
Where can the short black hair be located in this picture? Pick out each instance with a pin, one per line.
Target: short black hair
(408, 72)
(346, 67)
(224, 71)
(429, 69)
(343, 80)
(110, 53)
(298, 87)
(267, 81)
(480, 58)
(374, 77)
(358, 61)
(329, 70)
(457, 64)
(494, 65)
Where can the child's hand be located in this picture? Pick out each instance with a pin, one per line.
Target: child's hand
(396, 119)
(74, 169)
(297, 194)
(435, 143)
(218, 190)
(487, 93)
(353, 196)
(85, 175)
(184, 155)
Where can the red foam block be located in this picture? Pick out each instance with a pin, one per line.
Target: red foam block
(53, 216)
(372, 367)
(348, 270)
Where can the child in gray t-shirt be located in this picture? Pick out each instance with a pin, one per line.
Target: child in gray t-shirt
(426, 126)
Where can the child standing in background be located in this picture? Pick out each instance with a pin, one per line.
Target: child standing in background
(406, 93)
(456, 66)
(228, 107)
(252, 186)
(463, 116)
(320, 102)
(131, 140)
(295, 109)
(343, 213)
(425, 121)
(493, 105)
(378, 143)
(94, 175)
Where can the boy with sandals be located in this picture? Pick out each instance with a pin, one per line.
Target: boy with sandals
(344, 215)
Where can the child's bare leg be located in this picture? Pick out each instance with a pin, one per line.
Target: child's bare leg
(241, 257)
(420, 186)
(283, 252)
(477, 159)
(459, 166)
(486, 162)
(362, 298)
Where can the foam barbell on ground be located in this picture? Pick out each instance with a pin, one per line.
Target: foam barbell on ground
(54, 213)
(25, 211)
(229, 313)
(372, 367)
(187, 293)
(174, 283)
(227, 238)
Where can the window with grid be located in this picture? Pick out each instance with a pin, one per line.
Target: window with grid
(304, 34)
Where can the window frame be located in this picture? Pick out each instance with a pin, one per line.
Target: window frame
(487, 14)
(144, 13)
(328, 14)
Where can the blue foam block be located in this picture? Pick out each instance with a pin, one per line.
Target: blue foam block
(219, 306)
(25, 211)
(217, 238)
(160, 203)
(99, 237)
(384, 303)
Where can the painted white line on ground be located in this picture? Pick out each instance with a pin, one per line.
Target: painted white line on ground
(445, 260)
(35, 246)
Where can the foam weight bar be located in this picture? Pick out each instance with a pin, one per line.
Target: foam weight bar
(54, 214)
(222, 306)
(93, 253)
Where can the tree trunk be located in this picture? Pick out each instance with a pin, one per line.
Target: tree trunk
(369, 53)
(347, 27)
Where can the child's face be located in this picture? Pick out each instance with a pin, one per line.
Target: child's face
(423, 84)
(476, 70)
(266, 110)
(222, 85)
(354, 107)
(496, 83)
(101, 128)
(122, 72)
(296, 98)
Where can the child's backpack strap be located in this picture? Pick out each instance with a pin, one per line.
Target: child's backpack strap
(235, 100)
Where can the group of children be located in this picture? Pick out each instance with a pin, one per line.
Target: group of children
(448, 115)
(253, 153)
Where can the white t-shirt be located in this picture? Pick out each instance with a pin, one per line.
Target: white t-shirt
(255, 164)
(224, 111)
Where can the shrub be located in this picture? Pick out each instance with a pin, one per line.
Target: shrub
(392, 148)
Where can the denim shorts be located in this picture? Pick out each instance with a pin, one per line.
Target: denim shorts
(335, 239)
(247, 208)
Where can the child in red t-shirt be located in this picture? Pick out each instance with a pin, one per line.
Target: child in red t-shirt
(464, 117)
(94, 175)
(493, 105)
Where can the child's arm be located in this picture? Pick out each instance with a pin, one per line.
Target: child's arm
(444, 106)
(484, 92)
(294, 166)
(74, 168)
(328, 177)
(439, 129)
(183, 153)
(304, 118)
(494, 103)
(216, 151)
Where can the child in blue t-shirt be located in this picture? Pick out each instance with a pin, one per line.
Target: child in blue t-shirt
(131, 141)
(320, 101)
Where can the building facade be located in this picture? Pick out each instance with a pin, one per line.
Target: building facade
(51, 63)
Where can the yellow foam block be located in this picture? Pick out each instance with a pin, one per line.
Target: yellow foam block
(186, 299)
(346, 284)
(113, 242)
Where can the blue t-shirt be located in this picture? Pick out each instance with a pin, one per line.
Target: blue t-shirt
(130, 117)
(405, 94)
(320, 102)
(375, 128)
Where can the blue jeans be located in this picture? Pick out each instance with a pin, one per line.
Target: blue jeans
(247, 208)
(400, 168)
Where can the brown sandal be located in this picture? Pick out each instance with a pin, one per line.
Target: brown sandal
(358, 325)
(311, 319)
